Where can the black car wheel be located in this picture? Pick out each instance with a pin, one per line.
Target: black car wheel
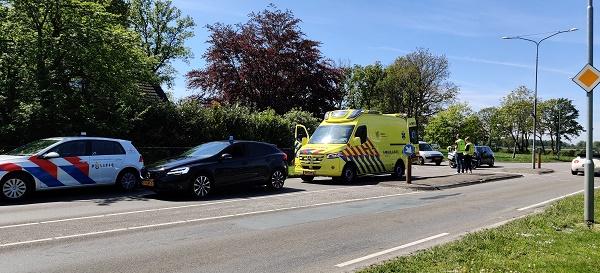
(398, 170)
(437, 163)
(348, 174)
(276, 181)
(307, 178)
(15, 187)
(128, 180)
(491, 163)
(201, 186)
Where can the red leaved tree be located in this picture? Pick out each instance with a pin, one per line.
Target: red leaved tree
(267, 63)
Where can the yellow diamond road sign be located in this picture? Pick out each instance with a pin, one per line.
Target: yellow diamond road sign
(587, 78)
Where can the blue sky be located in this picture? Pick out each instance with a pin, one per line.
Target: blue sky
(467, 32)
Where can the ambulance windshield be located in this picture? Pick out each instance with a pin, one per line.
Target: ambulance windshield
(33, 147)
(331, 134)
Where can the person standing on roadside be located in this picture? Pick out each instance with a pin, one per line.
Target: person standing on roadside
(469, 153)
(460, 150)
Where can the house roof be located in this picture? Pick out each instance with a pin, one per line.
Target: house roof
(153, 92)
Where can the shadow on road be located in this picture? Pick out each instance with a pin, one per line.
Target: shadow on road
(219, 194)
(101, 195)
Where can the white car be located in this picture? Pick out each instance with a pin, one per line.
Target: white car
(577, 165)
(67, 162)
(429, 155)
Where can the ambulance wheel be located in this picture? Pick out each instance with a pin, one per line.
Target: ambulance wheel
(348, 174)
(398, 170)
(128, 180)
(16, 187)
(307, 178)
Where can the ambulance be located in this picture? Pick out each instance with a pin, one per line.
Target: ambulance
(353, 143)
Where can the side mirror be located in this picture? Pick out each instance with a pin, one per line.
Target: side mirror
(50, 155)
(226, 156)
(355, 142)
(304, 141)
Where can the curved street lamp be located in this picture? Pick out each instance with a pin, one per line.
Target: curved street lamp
(537, 49)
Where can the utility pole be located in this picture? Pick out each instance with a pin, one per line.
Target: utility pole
(589, 163)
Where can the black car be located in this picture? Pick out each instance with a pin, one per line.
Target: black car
(484, 155)
(215, 164)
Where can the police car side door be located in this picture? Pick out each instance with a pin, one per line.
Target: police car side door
(106, 160)
(70, 168)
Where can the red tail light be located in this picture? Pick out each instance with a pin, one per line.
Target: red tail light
(285, 157)
(141, 159)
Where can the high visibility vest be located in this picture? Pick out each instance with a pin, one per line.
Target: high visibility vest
(460, 145)
(470, 149)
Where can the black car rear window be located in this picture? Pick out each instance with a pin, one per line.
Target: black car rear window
(261, 149)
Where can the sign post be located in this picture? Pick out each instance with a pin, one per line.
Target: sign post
(409, 152)
(588, 78)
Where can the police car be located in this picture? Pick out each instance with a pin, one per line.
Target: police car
(67, 162)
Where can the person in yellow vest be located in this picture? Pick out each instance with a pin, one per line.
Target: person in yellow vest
(469, 153)
(460, 150)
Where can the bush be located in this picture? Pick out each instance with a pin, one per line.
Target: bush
(568, 152)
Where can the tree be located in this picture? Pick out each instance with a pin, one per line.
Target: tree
(516, 117)
(416, 84)
(163, 33)
(559, 117)
(268, 63)
(489, 122)
(73, 67)
(364, 86)
(457, 119)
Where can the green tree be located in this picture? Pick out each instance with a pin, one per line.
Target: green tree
(559, 117)
(516, 117)
(489, 118)
(163, 32)
(457, 119)
(363, 86)
(74, 67)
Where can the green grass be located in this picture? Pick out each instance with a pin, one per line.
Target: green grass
(524, 158)
(555, 240)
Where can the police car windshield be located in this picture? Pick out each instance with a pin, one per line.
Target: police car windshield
(331, 134)
(206, 149)
(32, 147)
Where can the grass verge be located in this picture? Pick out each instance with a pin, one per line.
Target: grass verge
(555, 240)
(524, 158)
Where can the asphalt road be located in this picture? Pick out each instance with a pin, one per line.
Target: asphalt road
(307, 227)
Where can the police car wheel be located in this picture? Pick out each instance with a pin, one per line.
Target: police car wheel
(15, 187)
(348, 173)
(128, 180)
(276, 181)
(201, 186)
(421, 161)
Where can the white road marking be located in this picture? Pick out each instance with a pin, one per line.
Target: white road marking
(391, 250)
(205, 219)
(552, 200)
(169, 208)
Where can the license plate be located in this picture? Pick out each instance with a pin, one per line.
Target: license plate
(308, 172)
(148, 182)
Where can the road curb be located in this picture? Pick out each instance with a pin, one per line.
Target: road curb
(471, 181)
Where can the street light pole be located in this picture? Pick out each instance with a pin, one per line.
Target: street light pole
(535, 97)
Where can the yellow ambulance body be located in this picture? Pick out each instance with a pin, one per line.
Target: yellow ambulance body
(352, 143)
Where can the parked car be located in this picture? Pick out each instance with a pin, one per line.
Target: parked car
(577, 164)
(199, 170)
(429, 155)
(67, 162)
(484, 155)
(452, 162)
